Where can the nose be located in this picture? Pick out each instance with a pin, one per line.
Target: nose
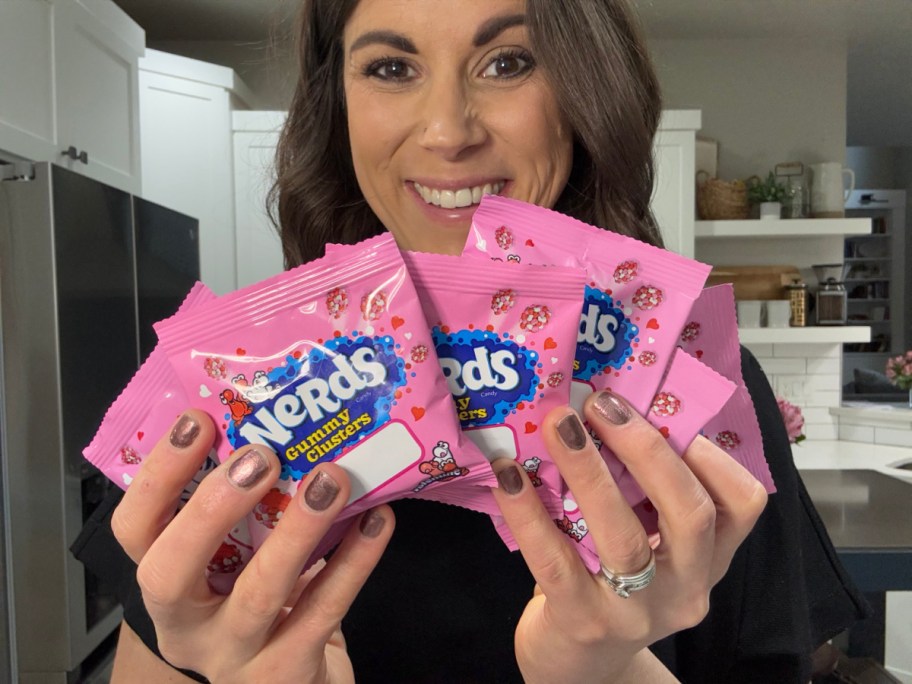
(451, 122)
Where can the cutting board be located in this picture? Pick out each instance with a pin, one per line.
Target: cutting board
(755, 282)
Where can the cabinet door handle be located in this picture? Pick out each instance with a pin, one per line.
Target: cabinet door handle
(76, 155)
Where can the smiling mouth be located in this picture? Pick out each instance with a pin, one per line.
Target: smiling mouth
(457, 199)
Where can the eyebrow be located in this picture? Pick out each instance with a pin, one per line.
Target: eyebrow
(492, 28)
(391, 38)
(485, 34)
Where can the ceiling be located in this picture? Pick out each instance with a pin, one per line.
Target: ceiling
(878, 34)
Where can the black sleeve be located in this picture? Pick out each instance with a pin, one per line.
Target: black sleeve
(97, 548)
(786, 591)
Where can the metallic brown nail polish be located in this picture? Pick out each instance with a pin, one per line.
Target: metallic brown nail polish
(611, 408)
(184, 432)
(372, 524)
(571, 432)
(249, 469)
(321, 492)
(510, 480)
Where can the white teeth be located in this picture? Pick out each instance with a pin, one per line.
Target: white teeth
(464, 197)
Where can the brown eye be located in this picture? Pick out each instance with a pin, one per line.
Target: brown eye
(390, 69)
(508, 65)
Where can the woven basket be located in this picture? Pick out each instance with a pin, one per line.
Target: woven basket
(721, 200)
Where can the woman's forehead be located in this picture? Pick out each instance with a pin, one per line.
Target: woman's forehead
(417, 18)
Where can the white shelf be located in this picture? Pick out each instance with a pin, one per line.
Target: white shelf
(809, 335)
(773, 228)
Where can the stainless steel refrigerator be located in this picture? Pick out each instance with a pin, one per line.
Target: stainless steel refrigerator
(84, 271)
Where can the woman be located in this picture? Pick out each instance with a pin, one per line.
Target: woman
(405, 112)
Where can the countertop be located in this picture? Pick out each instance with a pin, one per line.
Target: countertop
(819, 454)
(864, 510)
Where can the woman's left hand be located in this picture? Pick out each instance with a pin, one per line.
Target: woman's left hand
(576, 628)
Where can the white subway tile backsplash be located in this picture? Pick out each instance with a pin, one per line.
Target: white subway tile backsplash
(856, 433)
(893, 437)
(821, 431)
(815, 414)
(759, 350)
(776, 366)
(821, 365)
(817, 351)
(824, 398)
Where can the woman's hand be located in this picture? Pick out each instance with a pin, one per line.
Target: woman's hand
(275, 625)
(576, 628)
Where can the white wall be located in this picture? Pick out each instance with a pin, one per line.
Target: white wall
(765, 101)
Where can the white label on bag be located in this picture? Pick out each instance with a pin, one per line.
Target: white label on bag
(379, 459)
(498, 441)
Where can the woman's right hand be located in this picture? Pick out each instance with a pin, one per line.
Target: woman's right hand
(275, 625)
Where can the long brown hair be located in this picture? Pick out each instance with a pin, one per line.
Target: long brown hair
(597, 64)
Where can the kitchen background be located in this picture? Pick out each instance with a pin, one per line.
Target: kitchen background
(771, 82)
(807, 81)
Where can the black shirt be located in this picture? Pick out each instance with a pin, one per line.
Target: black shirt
(443, 603)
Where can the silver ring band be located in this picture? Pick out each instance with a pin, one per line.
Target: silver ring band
(623, 585)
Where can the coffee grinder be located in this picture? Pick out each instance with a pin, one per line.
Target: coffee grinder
(831, 295)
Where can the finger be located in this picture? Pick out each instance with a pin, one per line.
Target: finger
(686, 511)
(554, 564)
(264, 586)
(739, 497)
(619, 538)
(328, 597)
(151, 499)
(173, 570)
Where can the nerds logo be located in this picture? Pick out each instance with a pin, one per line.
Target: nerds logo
(487, 376)
(605, 336)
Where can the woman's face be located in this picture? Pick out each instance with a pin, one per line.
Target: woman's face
(445, 103)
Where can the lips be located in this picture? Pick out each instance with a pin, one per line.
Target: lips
(449, 198)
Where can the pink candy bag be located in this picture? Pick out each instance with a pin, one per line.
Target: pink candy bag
(146, 409)
(711, 335)
(691, 394)
(333, 361)
(636, 302)
(505, 336)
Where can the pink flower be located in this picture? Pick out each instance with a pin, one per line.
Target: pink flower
(899, 370)
(794, 421)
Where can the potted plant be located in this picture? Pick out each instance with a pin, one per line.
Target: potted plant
(768, 194)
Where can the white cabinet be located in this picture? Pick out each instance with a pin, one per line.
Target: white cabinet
(68, 74)
(673, 196)
(27, 121)
(187, 164)
(259, 250)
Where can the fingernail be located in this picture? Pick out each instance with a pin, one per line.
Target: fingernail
(372, 523)
(321, 492)
(184, 432)
(571, 432)
(249, 469)
(510, 480)
(611, 408)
